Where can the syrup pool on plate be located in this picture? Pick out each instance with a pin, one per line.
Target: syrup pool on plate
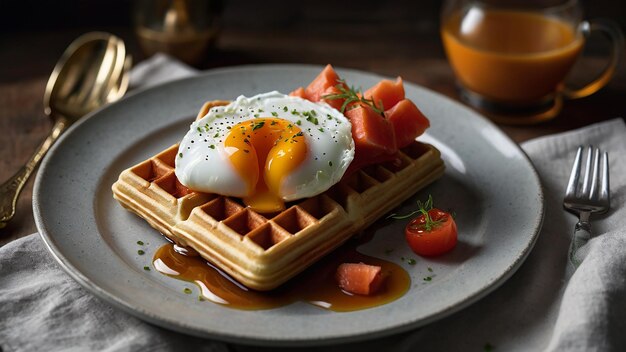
(316, 285)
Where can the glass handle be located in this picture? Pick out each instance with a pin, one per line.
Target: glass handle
(614, 34)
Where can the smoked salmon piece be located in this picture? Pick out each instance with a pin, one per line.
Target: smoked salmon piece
(300, 92)
(376, 137)
(387, 92)
(373, 134)
(360, 278)
(318, 87)
(408, 122)
(335, 103)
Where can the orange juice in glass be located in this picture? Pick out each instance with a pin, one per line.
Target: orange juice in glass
(511, 58)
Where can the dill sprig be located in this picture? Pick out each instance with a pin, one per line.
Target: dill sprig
(423, 209)
(352, 95)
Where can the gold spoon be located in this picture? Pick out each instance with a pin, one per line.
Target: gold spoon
(93, 71)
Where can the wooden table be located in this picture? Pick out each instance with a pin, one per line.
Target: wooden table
(414, 52)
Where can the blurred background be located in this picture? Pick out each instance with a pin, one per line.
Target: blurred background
(356, 33)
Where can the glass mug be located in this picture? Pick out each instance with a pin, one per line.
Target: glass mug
(511, 58)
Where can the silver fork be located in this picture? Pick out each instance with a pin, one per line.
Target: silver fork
(590, 196)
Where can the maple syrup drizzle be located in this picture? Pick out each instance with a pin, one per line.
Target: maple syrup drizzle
(316, 285)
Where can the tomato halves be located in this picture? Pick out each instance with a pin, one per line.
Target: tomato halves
(437, 237)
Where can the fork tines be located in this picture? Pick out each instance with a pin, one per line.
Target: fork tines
(595, 187)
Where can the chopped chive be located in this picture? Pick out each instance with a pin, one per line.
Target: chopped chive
(146, 268)
(141, 252)
(274, 113)
(187, 290)
(411, 261)
(430, 269)
(312, 120)
(140, 243)
(428, 278)
(180, 155)
(258, 125)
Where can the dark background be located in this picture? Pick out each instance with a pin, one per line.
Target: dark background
(24, 15)
(346, 25)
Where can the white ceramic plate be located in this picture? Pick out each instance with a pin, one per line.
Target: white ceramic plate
(489, 183)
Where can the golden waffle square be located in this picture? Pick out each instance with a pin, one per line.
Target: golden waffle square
(264, 251)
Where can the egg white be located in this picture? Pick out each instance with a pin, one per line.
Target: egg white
(203, 161)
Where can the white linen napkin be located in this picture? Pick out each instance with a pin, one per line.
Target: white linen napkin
(539, 308)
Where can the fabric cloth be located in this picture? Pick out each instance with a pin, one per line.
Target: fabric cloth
(541, 307)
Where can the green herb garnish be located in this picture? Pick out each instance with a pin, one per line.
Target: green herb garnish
(352, 95)
(140, 243)
(187, 290)
(411, 261)
(258, 125)
(146, 268)
(141, 252)
(423, 208)
(428, 278)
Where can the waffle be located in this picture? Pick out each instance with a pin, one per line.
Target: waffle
(262, 251)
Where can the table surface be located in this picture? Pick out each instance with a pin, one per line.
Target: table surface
(414, 53)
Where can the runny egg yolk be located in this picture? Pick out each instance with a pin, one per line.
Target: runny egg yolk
(263, 151)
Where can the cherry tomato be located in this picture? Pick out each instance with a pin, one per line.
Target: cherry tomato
(434, 236)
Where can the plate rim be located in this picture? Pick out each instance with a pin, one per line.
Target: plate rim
(181, 327)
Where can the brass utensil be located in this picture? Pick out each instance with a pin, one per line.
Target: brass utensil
(93, 71)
